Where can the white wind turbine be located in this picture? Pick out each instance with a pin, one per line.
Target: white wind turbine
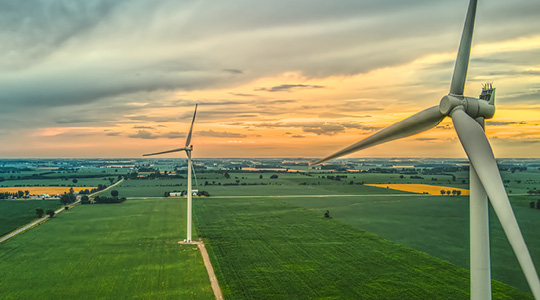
(468, 116)
(188, 148)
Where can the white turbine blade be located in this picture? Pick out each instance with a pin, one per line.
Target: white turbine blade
(168, 151)
(194, 175)
(414, 124)
(188, 140)
(462, 61)
(480, 155)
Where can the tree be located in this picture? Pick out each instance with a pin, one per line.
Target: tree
(227, 175)
(448, 193)
(114, 193)
(458, 192)
(50, 212)
(67, 198)
(85, 200)
(443, 192)
(274, 176)
(75, 180)
(260, 176)
(39, 212)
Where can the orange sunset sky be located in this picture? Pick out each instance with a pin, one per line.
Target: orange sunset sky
(272, 78)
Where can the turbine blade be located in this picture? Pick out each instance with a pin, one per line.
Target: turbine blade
(188, 140)
(168, 151)
(462, 61)
(480, 155)
(414, 124)
(194, 175)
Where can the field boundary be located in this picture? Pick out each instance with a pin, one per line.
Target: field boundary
(208, 264)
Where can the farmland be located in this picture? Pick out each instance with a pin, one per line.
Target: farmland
(267, 248)
(124, 251)
(265, 232)
(38, 190)
(420, 188)
(15, 213)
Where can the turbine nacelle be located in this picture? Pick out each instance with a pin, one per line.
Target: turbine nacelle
(474, 107)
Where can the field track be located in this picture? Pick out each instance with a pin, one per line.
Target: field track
(208, 264)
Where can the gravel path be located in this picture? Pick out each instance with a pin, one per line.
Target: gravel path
(209, 268)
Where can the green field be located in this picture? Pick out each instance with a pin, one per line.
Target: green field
(16, 213)
(437, 225)
(265, 248)
(108, 251)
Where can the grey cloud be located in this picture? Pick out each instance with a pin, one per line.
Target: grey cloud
(319, 128)
(143, 134)
(499, 123)
(289, 87)
(241, 94)
(143, 127)
(223, 134)
(233, 71)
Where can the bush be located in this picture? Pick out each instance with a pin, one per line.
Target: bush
(39, 212)
(85, 200)
(106, 200)
(50, 212)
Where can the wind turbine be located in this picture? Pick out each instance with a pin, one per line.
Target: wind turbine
(468, 116)
(188, 148)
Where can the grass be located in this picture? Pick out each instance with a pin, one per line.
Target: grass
(16, 213)
(437, 225)
(267, 248)
(114, 251)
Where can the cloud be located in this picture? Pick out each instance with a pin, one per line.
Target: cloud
(289, 87)
(143, 127)
(241, 94)
(143, 134)
(500, 123)
(233, 71)
(223, 134)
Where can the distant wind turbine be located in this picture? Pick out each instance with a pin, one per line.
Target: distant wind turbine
(468, 116)
(188, 148)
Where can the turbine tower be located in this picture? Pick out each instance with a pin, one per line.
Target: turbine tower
(188, 148)
(468, 115)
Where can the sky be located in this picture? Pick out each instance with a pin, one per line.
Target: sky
(271, 78)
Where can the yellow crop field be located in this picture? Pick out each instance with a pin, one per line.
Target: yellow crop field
(40, 190)
(420, 188)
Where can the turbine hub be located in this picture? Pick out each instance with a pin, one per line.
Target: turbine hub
(474, 107)
(449, 103)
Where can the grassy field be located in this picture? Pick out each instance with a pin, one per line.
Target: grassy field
(268, 249)
(15, 213)
(109, 251)
(437, 225)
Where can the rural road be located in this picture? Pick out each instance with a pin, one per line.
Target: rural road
(43, 219)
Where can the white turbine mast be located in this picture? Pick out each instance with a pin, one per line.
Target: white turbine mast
(468, 115)
(188, 148)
